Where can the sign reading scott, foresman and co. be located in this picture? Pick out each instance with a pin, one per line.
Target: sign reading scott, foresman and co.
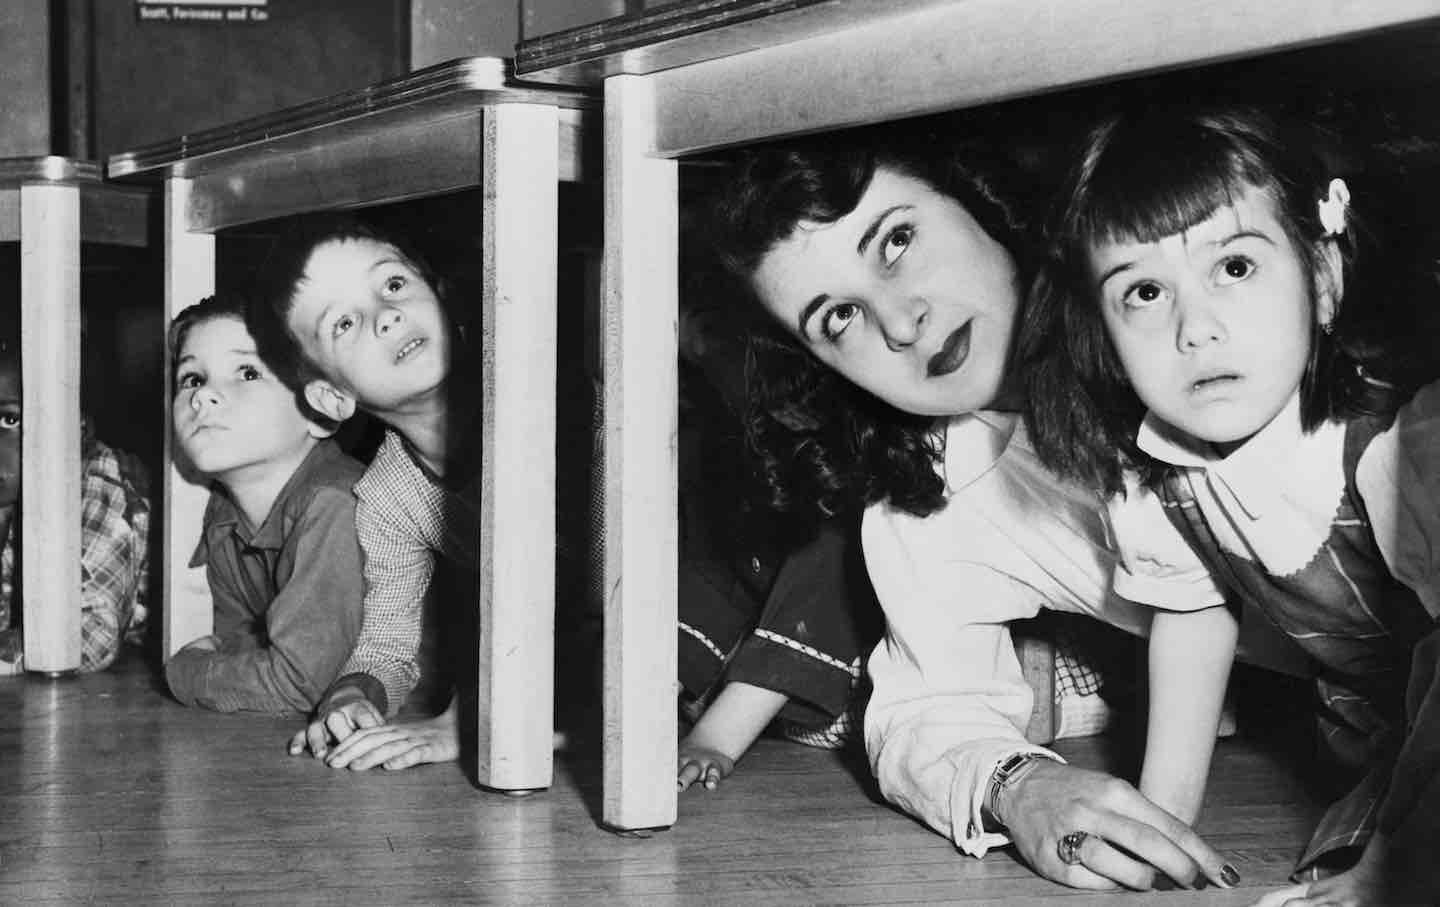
(217, 12)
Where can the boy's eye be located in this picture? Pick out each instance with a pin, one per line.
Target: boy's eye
(1235, 269)
(838, 319)
(342, 324)
(1143, 295)
(9, 421)
(895, 244)
(187, 381)
(249, 373)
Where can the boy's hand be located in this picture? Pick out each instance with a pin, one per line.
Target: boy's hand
(401, 745)
(343, 714)
(700, 763)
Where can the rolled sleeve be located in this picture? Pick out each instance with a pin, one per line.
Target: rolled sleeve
(1157, 567)
(950, 699)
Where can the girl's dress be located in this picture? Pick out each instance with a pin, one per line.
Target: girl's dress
(1327, 535)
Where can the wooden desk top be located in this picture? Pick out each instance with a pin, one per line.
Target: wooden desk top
(430, 95)
(728, 72)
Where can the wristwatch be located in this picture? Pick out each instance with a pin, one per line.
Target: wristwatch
(1011, 769)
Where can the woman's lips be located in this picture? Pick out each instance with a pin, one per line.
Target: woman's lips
(952, 354)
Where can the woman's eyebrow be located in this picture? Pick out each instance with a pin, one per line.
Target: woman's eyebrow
(810, 309)
(870, 231)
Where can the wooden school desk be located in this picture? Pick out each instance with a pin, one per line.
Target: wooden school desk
(51, 206)
(701, 75)
(453, 126)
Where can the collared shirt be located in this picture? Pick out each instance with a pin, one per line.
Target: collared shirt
(1273, 501)
(950, 700)
(287, 595)
(114, 551)
(404, 517)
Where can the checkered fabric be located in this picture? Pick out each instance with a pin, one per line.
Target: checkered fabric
(114, 554)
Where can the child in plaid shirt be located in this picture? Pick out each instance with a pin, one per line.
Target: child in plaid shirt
(114, 556)
(359, 321)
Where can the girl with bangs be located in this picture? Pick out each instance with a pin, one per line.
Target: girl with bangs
(1265, 454)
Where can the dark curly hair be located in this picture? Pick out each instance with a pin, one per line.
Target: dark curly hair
(1157, 170)
(823, 444)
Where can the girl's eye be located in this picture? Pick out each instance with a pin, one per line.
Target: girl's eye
(342, 324)
(187, 381)
(249, 373)
(838, 319)
(1143, 295)
(895, 244)
(395, 284)
(1235, 269)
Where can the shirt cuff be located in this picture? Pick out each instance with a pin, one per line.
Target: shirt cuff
(346, 687)
(968, 796)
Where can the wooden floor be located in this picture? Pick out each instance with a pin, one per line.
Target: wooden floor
(111, 793)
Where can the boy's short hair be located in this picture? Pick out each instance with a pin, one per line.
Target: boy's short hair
(238, 306)
(280, 276)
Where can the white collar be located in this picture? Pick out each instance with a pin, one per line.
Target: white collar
(974, 443)
(1250, 470)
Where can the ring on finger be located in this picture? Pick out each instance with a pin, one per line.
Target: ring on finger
(1069, 847)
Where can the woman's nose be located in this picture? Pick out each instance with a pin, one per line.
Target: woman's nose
(387, 320)
(203, 398)
(902, 318)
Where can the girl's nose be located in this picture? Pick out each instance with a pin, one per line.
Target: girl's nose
(387, 320)
(902, 318)
(1199, 323)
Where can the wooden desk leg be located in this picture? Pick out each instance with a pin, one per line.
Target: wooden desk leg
(517, 533)
(50, 415)
(189, 277)
(639, 320)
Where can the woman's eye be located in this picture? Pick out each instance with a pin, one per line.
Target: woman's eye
(1234, 270)
(896, 242)
(1143, 295)
(342, 324)
(838, 319)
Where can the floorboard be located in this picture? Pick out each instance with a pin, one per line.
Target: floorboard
(113, 793)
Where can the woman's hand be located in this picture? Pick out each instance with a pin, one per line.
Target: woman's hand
(1128, 838)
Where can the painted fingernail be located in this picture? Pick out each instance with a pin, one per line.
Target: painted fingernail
(1229, 875)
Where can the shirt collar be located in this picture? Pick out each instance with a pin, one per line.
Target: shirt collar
(1249, 471)
(224, 517)
(974, 443)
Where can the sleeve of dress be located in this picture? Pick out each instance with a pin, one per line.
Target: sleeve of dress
(111, 561)
(310, 626)
(398, 568)
(1156, 566)
(950, 700)
(1398, 477)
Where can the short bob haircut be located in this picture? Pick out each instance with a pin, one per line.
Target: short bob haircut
(283, 272)
(825, 446)
(1143, 175)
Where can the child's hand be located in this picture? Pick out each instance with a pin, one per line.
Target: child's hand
(397, 746)
(700, 763)
(344, 715)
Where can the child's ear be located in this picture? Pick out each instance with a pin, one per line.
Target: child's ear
(329, 399)
(1329, 282)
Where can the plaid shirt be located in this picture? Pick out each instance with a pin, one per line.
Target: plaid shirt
(403, 518)
(114, 553)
